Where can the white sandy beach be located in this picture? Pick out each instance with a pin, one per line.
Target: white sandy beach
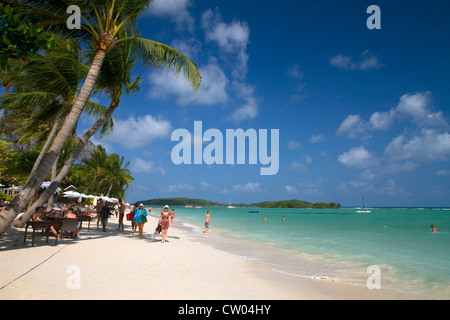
(117, 265)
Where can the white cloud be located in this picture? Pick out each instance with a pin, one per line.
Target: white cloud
(353, 127)
(312, 188)
(176, 10)
(391, 188)
(232, 38)
(429, 145)
(213, 89)
(295, 73)
(415, 108)
(293, 145)
(249, 187)
(138, 132)
(443, 173)
(316, 138)
(367, 62)
(298, 166)
(141, 166)
(357, 158)
(290, 189)
(382, 120)
(174, 188)
(248, 111)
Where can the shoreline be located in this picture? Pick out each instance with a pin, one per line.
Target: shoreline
(117, 265)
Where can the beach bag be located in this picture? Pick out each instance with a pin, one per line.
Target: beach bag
(144, 219)
(158, 228)
(129, 216)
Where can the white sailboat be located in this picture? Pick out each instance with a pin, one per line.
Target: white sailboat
(230, 206)
(364, 208)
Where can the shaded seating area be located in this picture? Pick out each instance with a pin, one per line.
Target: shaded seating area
(57, 225)
(43, 226)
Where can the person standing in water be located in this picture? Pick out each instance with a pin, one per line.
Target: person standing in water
(207, 221)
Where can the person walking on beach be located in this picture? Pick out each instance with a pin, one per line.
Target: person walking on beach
(122, 207)
(207, 221)
(164, 220)
(104, 215)
(140, 218)
(98, 210)
(172, 216)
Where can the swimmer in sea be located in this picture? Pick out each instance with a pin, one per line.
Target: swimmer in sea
(433, 228)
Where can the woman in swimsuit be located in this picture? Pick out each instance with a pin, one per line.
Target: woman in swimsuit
(164, 220)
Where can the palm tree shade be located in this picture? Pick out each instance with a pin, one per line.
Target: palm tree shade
(104, 23)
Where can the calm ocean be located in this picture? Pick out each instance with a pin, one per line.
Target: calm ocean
(339, 244)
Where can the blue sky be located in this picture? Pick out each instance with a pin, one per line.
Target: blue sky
(359, 111)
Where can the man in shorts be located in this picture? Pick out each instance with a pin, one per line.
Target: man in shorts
(207, 221)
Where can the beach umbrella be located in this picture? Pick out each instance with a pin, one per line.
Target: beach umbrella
(71, 194)
(46, 184)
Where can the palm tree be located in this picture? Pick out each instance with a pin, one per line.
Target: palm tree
(103, 21)
(115, 173)
(114, 79)
(93, 165)
(48, 86)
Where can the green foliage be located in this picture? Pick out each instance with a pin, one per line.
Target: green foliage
(181, 202)
(5, 197)
(265, 204)
(19, 37)
(296, 204)
(7, 153)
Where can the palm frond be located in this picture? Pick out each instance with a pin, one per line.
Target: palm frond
(164, 57)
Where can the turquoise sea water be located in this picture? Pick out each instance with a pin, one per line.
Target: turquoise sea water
(339, 244)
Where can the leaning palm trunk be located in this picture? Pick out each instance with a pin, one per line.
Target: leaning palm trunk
(33, 184)
(22, 219)
(51, 200)
(46, 145)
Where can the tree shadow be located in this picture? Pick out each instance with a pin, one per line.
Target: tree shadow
(13, 238)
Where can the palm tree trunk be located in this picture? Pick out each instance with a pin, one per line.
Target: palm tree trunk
(91, 183)
(22, 219)
(46, 145)
(109, 189)
(51, 200)
(11, 211)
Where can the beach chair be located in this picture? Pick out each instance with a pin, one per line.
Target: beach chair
(70, 226)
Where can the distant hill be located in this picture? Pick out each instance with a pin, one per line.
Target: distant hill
(181, 202)
(265, 204)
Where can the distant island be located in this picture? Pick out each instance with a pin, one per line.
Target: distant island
(265, 204)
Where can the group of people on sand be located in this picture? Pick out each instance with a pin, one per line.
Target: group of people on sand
(137, 214)
(138, 217)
